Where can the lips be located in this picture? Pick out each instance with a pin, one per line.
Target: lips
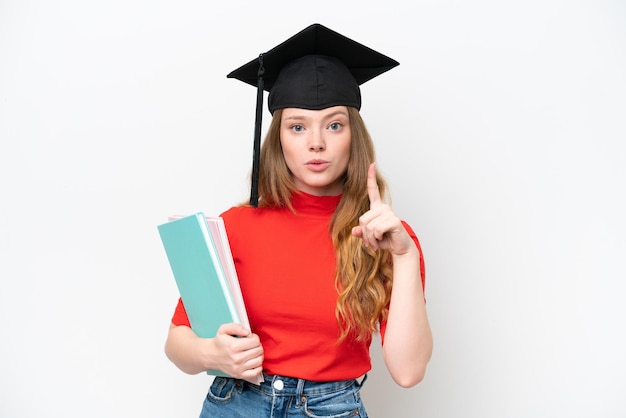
(317, 165)
(315, 162)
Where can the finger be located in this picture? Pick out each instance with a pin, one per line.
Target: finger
(233, 329)
(372, 186)
(357, 232)
(250, 344)
(254, 376)
(373, 234)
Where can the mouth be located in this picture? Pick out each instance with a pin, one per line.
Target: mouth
(316, 162)
(317, 165)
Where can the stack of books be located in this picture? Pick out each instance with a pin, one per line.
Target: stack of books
(199, 255)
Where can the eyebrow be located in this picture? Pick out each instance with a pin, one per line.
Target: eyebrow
(337, 112)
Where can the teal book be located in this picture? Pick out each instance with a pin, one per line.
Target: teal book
(199, 255)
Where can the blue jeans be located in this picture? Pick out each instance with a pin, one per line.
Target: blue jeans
(283, 397)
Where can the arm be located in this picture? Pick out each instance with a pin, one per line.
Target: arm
(408, 340)
(241, 358)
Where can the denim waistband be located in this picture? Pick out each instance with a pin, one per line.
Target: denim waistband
(284, 385)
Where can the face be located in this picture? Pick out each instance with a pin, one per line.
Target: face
(316, 146)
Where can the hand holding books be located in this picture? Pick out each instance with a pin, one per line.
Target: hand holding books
(243, 356)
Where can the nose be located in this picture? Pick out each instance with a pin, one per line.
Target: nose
(316, 142)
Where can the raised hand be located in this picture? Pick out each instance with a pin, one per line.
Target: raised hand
(379, 227)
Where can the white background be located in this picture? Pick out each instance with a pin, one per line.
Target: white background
(502, 134)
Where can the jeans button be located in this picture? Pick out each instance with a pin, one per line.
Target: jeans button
(279, 385)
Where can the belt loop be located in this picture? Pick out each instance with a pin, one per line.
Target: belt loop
(360, 384)
(300, 387)
(300, 398)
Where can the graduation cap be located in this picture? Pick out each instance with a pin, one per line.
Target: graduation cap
(315, 69)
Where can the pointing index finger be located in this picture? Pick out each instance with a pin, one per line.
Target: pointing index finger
(372, 185)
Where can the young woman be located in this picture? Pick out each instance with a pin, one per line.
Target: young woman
(323, 261)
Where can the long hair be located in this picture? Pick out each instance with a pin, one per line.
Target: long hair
(363, 277)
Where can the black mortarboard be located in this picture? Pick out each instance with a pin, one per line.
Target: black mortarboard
(315, 69)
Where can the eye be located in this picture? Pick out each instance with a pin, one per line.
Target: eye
(297, 128)
(335, 126)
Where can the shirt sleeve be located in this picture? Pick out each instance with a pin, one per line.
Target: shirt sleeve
(413, 236)
(180, 315)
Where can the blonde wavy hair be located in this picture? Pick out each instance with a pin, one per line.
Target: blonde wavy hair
(363, 277)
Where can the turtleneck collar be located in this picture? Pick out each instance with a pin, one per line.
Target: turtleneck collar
(308, 204)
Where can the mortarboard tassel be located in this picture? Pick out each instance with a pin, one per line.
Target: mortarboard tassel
(254, 193)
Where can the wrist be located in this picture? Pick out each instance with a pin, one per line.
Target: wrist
(411, 254)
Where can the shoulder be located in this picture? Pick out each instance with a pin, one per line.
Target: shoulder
(246, 216)
(238, 215)
(236, 211)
